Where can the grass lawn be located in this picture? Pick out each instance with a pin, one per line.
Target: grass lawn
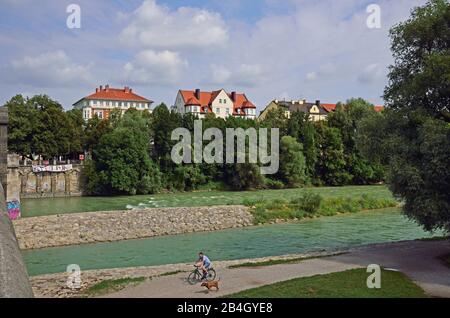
(37, 207)
(111, 285)
(348, 284)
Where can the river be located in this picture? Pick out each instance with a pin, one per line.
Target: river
(325, 233)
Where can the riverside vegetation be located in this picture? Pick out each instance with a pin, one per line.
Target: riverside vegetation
(313, 205)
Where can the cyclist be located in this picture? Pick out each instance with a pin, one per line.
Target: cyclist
(204, 263)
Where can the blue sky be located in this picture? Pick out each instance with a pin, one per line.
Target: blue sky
(268, 49)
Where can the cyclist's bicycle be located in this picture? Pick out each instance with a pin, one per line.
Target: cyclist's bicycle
(196, 276)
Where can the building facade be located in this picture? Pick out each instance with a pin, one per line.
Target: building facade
(105, 99)
(317, 111)
(220, 103)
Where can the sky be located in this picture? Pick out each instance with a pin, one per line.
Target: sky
(268, 49)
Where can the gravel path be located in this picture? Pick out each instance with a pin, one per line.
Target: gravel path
(417, 259)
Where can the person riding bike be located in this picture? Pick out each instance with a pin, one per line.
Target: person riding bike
(204, 263)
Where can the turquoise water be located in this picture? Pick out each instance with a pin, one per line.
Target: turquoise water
(38, 207)
(310, 235)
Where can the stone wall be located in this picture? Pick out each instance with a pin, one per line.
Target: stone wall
(13, 274)
(92, 227)
(24, 183)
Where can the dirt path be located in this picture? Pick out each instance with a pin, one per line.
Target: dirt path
(417, 259)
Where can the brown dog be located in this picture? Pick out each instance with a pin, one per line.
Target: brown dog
(210, 285)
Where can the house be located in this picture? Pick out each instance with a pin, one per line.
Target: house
(105, 99)
(220, 103)
(317, 111)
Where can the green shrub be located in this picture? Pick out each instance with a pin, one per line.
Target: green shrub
(311, 204)
(273, 184)
(308, 202)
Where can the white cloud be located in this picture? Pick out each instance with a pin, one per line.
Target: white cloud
(48, 69)
(151, 67)
(157, 27)
(243, 74)
(311, 76)
(372, 72)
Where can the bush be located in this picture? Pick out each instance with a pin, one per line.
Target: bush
(311, 204)
(273, 184)
(308, 202)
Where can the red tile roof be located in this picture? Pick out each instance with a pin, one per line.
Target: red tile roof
(206, 98)
(332, 107)
(107, 93)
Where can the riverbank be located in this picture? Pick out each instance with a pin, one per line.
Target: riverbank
(41, 207)
(95, 227)
(419, 260)
(55, 285)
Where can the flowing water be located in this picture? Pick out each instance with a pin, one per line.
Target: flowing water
(325, 233)
(39, 207)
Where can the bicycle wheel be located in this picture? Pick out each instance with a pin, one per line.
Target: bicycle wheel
(211, 275)
(194, 278)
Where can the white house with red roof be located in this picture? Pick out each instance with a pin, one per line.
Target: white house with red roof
(220, 103)
(105, 99)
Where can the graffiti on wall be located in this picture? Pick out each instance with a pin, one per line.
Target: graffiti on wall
(13, 209)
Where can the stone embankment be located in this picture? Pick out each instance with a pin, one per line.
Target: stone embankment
(94, 227)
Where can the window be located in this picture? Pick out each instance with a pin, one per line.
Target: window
(218, 110)
(99, 114)
(227, 111)
(224, 101)
(195, 109)
(220, 101)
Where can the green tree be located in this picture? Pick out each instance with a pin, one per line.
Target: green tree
(413, 136)
(122, 164)
(330, 167)
(21, 125)
(302, 129)
(292, 162)
(162, 124)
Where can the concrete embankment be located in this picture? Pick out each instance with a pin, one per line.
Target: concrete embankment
(93, 227)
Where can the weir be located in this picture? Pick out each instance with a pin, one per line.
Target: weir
(14, 281)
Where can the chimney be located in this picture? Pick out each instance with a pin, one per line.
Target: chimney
(197, 93)
(131, 90)
(318, 102)
(107, 88)
(101, 88)
(126, 89)
(233, 96)
(96, 89)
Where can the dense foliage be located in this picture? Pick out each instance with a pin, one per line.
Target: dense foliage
(131, 153)
(412, 138)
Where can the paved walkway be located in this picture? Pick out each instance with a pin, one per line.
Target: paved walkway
(417, 259)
